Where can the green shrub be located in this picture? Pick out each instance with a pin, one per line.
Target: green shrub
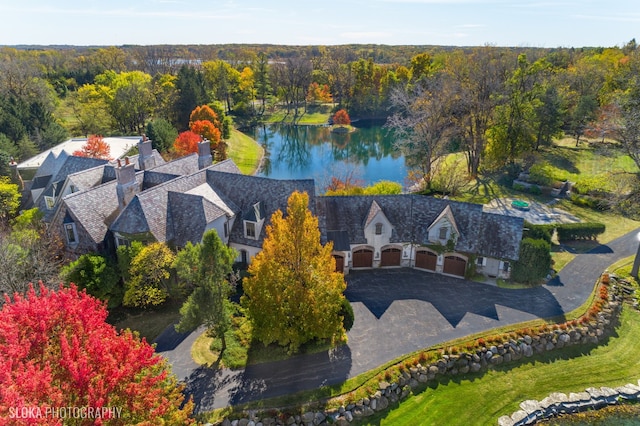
(534, 261)
(535, 190)
(539, 232)
(519, 187)
(346, 312)
(588, 201)
(579, 231)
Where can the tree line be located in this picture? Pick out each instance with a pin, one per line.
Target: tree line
(493, 103)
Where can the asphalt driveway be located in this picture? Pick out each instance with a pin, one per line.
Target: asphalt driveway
(397, 311)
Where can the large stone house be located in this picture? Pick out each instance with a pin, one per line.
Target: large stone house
(146, 199)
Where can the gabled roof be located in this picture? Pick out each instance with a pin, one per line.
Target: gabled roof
(70, 166)
(411, 216)
(245, 191)
(373, 211)
(188, 217)
(152, 207)
(95, 208)
(446, 213)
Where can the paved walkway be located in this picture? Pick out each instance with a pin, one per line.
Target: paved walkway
(397, 311)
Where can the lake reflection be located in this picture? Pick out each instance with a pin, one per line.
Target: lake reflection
(314, 152)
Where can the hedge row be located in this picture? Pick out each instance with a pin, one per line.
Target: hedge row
(579, 231)
(566, 231)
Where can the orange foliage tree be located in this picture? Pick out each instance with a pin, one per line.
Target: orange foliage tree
(95, 147)
(341, 117)
(186, 143)
(207, 130)
(319, 93)
(205, 122)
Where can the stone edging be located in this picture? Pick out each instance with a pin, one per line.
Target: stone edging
(533, 411)
(453, 365)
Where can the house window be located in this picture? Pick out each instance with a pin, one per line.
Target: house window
(50, 202)
(70, 232)
(250, 229)
(226, 229)
(506, 266)
(122, 242)
(481, 261)
(73, 189)
(378, 229)
(443, 233)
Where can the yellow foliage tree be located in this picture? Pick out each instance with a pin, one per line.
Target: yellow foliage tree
(293, 294)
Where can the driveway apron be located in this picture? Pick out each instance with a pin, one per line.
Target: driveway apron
(397, 311)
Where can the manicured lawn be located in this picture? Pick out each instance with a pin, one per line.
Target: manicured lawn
(245, 152)
(482, 399)
(308, 118)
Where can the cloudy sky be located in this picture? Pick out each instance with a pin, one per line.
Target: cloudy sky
(538, 23)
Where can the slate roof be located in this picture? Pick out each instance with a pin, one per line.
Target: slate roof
(244, 191)
(148, 210)
(490, 235)
(95, 208)
(71, 165)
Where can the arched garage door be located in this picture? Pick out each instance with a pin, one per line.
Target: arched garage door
(339, 263)
(426, 259)
(390, 257)
(454, 265)
(363, 258)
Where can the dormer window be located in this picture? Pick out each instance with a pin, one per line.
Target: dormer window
(443, 233)
(70, 233)
(378, 229)
(50, 202)
(250, 229)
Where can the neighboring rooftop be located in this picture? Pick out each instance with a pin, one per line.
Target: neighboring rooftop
(118, 145)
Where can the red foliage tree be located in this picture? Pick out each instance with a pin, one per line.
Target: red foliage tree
(56, 350)
(186, 143)
(341, 117)
(95, 147)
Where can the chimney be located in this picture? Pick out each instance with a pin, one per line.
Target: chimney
(126, 187)
(204, 154)
(146, 160)
(15, 174)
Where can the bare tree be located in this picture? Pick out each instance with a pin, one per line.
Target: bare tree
(423, 124)
(480, 77)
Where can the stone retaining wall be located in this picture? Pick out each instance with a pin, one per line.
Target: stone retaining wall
(454, 365)
(557, 403)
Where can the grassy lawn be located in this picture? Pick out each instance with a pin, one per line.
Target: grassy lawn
(303, 118)
(481, 399)
(245, 152)
(148, 323)
(241, 349)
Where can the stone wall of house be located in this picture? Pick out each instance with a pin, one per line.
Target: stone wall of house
(511, 350)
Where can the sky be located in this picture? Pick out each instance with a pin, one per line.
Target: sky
(525, 23)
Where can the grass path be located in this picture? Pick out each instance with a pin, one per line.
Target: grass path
(481, 400)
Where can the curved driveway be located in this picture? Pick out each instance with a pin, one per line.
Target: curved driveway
(397, 311)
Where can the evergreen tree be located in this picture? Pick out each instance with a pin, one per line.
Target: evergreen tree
(206, 267)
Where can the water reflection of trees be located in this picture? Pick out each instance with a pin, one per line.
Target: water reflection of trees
(291, 145)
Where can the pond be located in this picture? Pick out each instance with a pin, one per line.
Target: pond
(314, 152)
